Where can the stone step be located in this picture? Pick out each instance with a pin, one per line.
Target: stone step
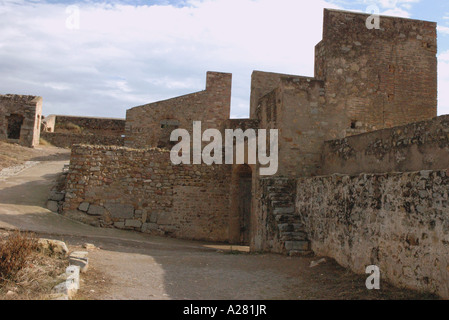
(297, 245)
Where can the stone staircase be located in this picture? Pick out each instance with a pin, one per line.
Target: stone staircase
(288, 230)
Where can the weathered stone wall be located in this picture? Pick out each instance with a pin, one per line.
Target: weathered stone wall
(263, 83)
(151, 125)
(65, 131)
(22, 114)
(418, 146)
(397, 221)
(277, 228)
(67, 140)
(103, 126)
(296, 108)
(142, 190)
(377, 78)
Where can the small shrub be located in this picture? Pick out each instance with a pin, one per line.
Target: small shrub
(15, 253)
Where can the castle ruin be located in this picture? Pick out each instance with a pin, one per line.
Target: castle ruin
(362, 174)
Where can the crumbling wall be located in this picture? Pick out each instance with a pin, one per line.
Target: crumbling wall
(151, 125)
(397, 221)
(20, 119)
(142, 190)
(417, 146)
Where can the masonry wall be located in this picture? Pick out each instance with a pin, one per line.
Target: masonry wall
(151, 125)
(397, 221)
(142, 190)
(417, 146)
(103, 126)
(29, 110)
(65, 131)
(67, 140)
(263, 83)
(296, 108)
(377, 78)
(277, 228)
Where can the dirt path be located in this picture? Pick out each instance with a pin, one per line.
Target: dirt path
(136, 266)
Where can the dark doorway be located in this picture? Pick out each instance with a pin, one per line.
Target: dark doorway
(15, 122)
(245, 197)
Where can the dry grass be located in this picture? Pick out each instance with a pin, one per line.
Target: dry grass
(27, 274)
(68, 127)
(43, 142)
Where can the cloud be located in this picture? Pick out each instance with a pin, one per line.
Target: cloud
(443, 83)
(125, 55)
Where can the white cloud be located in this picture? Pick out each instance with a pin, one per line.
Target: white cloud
(125, 55)
(443, 83)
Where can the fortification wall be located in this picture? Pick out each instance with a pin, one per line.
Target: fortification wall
(20, 119)
(397, 221)
(296, 108)
(151, 125)
(377, 78)
(67, 140)
(103, 126)
(142, 190)
(417, 146)
(65, 131)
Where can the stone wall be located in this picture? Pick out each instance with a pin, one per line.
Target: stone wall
(397, 221)
(377, 78)
(67, 140)
(65, 131)
(151, 125)
(20, 119)
(296, 108)
(418, 146)
(142, 190)
(277, 228)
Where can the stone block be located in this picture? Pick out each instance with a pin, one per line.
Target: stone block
(133, 223)
(53, 247)
(79, 258)
(56, 196)
(149, 227)
(84, 206)
(120, 211)
(297, 245)
(95, 210)
(52, 206)
(119, 225)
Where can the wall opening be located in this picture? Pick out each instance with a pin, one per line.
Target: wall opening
(15, 122)
(244, 194)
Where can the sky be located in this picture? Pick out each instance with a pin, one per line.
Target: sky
(100, 58)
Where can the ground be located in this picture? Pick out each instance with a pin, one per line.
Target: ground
(129, 265)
